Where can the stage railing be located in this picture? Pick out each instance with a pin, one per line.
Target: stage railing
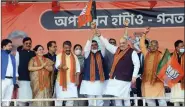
(104, 98)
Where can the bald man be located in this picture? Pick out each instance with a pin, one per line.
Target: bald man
(151, 85)
(124, 70)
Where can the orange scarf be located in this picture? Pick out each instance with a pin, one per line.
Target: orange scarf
(92, 67)
(151, 76)
(63, 73)
(118, 55)
(43, 74)
(182, 65)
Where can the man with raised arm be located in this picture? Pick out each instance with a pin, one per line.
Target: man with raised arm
(152, 86)
(124, 70)
(94, 75)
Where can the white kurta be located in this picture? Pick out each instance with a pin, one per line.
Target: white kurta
(88, 87)
(71, 87)
(24, 90)
(70, 93)
(7, 84)
(92, 88)
(116, 87)
(177, 92)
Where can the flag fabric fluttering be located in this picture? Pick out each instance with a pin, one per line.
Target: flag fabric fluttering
(169, 70)
(152, 4)
(11, 5)
(93, 10)
(88, 13)
(55, 5)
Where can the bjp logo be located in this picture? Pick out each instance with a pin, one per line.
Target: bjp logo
(172, 73)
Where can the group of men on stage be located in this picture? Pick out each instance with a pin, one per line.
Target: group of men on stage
(104, 69)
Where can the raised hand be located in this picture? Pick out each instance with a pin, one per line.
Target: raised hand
(147, 30)
(126, 22)
(94, 29)
(93, 25)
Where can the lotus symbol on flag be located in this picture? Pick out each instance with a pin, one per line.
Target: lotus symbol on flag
(172, 73)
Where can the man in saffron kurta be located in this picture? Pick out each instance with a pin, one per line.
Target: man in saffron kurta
(151, 85)
(178, 89)
(68, 73)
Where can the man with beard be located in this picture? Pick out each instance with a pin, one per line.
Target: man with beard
(8, 71)
(124, 70)
(68, 75)
(24, 91)
(93, 76)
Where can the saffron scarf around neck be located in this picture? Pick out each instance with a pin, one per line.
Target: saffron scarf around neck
(63, 73)
(93, 67)
(118, 55)
(43, 74)
(182, 65)
(151, 76)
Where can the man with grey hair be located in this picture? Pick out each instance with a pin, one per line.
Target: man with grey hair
(16, 37)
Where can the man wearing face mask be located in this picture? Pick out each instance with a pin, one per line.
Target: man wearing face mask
(93, 75)
(8, 71)
(124, 70)
(152, 86)
(68, 75)
(24, 91)
(178, 89)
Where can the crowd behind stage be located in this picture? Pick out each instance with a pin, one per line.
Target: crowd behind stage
(102, 68)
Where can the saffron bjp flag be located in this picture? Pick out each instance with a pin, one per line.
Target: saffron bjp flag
(169, 70)
(85, 15)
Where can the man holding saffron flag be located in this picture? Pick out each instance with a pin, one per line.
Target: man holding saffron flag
(178, 89)
(68, 74)
(94, 76)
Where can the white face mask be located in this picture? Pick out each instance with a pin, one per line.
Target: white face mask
(181, 50)
(94, 51)
(78, 52)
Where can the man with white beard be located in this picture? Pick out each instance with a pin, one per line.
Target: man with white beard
(94, 76)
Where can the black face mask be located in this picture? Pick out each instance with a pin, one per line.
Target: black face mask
(8, 51)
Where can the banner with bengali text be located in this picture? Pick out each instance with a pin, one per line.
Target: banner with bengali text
(38, 20)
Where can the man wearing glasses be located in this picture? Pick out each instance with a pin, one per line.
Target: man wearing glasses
(108, 60)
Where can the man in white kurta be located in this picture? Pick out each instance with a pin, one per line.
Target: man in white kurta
(93, 89)
(177, 91)
(120, 83)
(71, 91)
(8, 71)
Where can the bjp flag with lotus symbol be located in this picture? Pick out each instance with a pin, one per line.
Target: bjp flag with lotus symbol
(169, 70)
